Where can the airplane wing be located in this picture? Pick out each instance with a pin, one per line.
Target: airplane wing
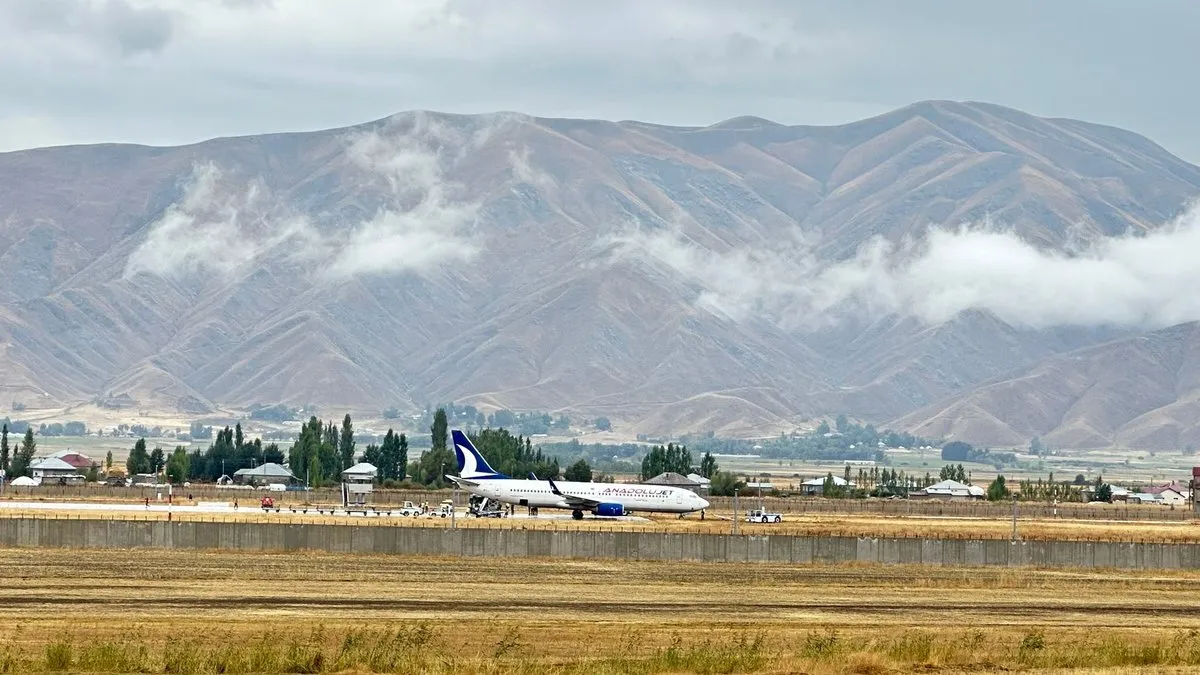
(572, 500)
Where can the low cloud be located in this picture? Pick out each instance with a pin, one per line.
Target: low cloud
(1145, 281)
(217, 228)
(424, 220)
(525, 172)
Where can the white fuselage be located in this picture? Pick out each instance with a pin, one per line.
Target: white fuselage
(647, 498)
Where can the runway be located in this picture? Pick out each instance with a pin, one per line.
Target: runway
(252, 506)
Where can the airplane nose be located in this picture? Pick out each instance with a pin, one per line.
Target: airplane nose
(703, 503)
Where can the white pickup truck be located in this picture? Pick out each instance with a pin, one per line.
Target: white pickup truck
(761, 516)
(410, 509)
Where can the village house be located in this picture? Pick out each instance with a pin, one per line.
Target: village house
(1170, 494)
(672, 479)
(51, 470)
(816, 486)
(951, 490)
(264, 474)
(80, 461)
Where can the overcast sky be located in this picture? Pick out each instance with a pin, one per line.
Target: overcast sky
(177, 71)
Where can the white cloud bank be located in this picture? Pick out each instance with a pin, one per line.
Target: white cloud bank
(423, 225)
(1146, 281)
(426, 221)
(217, 228)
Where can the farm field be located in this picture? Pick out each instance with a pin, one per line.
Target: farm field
(164, 611)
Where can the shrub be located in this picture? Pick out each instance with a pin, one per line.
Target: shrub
(58, 656)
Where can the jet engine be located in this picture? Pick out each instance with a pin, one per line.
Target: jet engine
(609, 510)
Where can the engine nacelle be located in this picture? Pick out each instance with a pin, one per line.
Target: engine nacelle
(610, 510)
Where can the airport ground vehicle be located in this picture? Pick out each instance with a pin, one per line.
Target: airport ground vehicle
(443, 510)
(267, 503)
(761, 516)
(410, 509)
(483, 507)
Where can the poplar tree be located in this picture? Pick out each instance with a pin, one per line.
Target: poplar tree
(24, 456)
(157, 460)
(4, 447)
(139, 458)
(438, 459)
(346, 443)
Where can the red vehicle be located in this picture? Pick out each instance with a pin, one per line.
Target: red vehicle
(268, 503)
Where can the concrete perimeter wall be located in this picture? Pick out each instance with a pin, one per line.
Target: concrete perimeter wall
(120, 534)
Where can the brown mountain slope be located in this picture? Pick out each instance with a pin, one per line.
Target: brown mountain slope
(429, 257)
(1138, 392)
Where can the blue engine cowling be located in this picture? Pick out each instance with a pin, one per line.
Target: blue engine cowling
(610, 510)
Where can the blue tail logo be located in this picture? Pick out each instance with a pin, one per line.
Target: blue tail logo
(471, 464)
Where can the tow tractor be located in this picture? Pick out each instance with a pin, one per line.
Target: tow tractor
(761, 516)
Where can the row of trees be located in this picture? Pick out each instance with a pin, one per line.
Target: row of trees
(676, 459)
(884, 482)
(390, 457)
(468, 416)
(318, 455)
(229, 452)
(322, 451)
(671, 457)
(1051, 490)
(954, 472)
(845, 440)
(16, 427)
(515, 455)
(60, 429)
(16, 463)
(959, 451)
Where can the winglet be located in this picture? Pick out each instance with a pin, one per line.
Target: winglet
(532, 476)
(554, 488)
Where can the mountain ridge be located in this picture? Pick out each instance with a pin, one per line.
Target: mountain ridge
(539, 299)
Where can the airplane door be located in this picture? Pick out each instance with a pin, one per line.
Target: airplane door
(678, 497)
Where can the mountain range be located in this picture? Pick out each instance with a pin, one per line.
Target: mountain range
(727, 278)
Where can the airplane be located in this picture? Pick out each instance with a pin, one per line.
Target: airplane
(601, 499)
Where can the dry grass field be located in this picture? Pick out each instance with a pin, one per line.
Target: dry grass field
(184, 612)
(824, 524)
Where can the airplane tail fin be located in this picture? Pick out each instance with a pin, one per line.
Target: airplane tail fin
(471, 464)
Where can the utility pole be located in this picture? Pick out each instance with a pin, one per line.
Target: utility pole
(735, 512)
(1014, 519)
